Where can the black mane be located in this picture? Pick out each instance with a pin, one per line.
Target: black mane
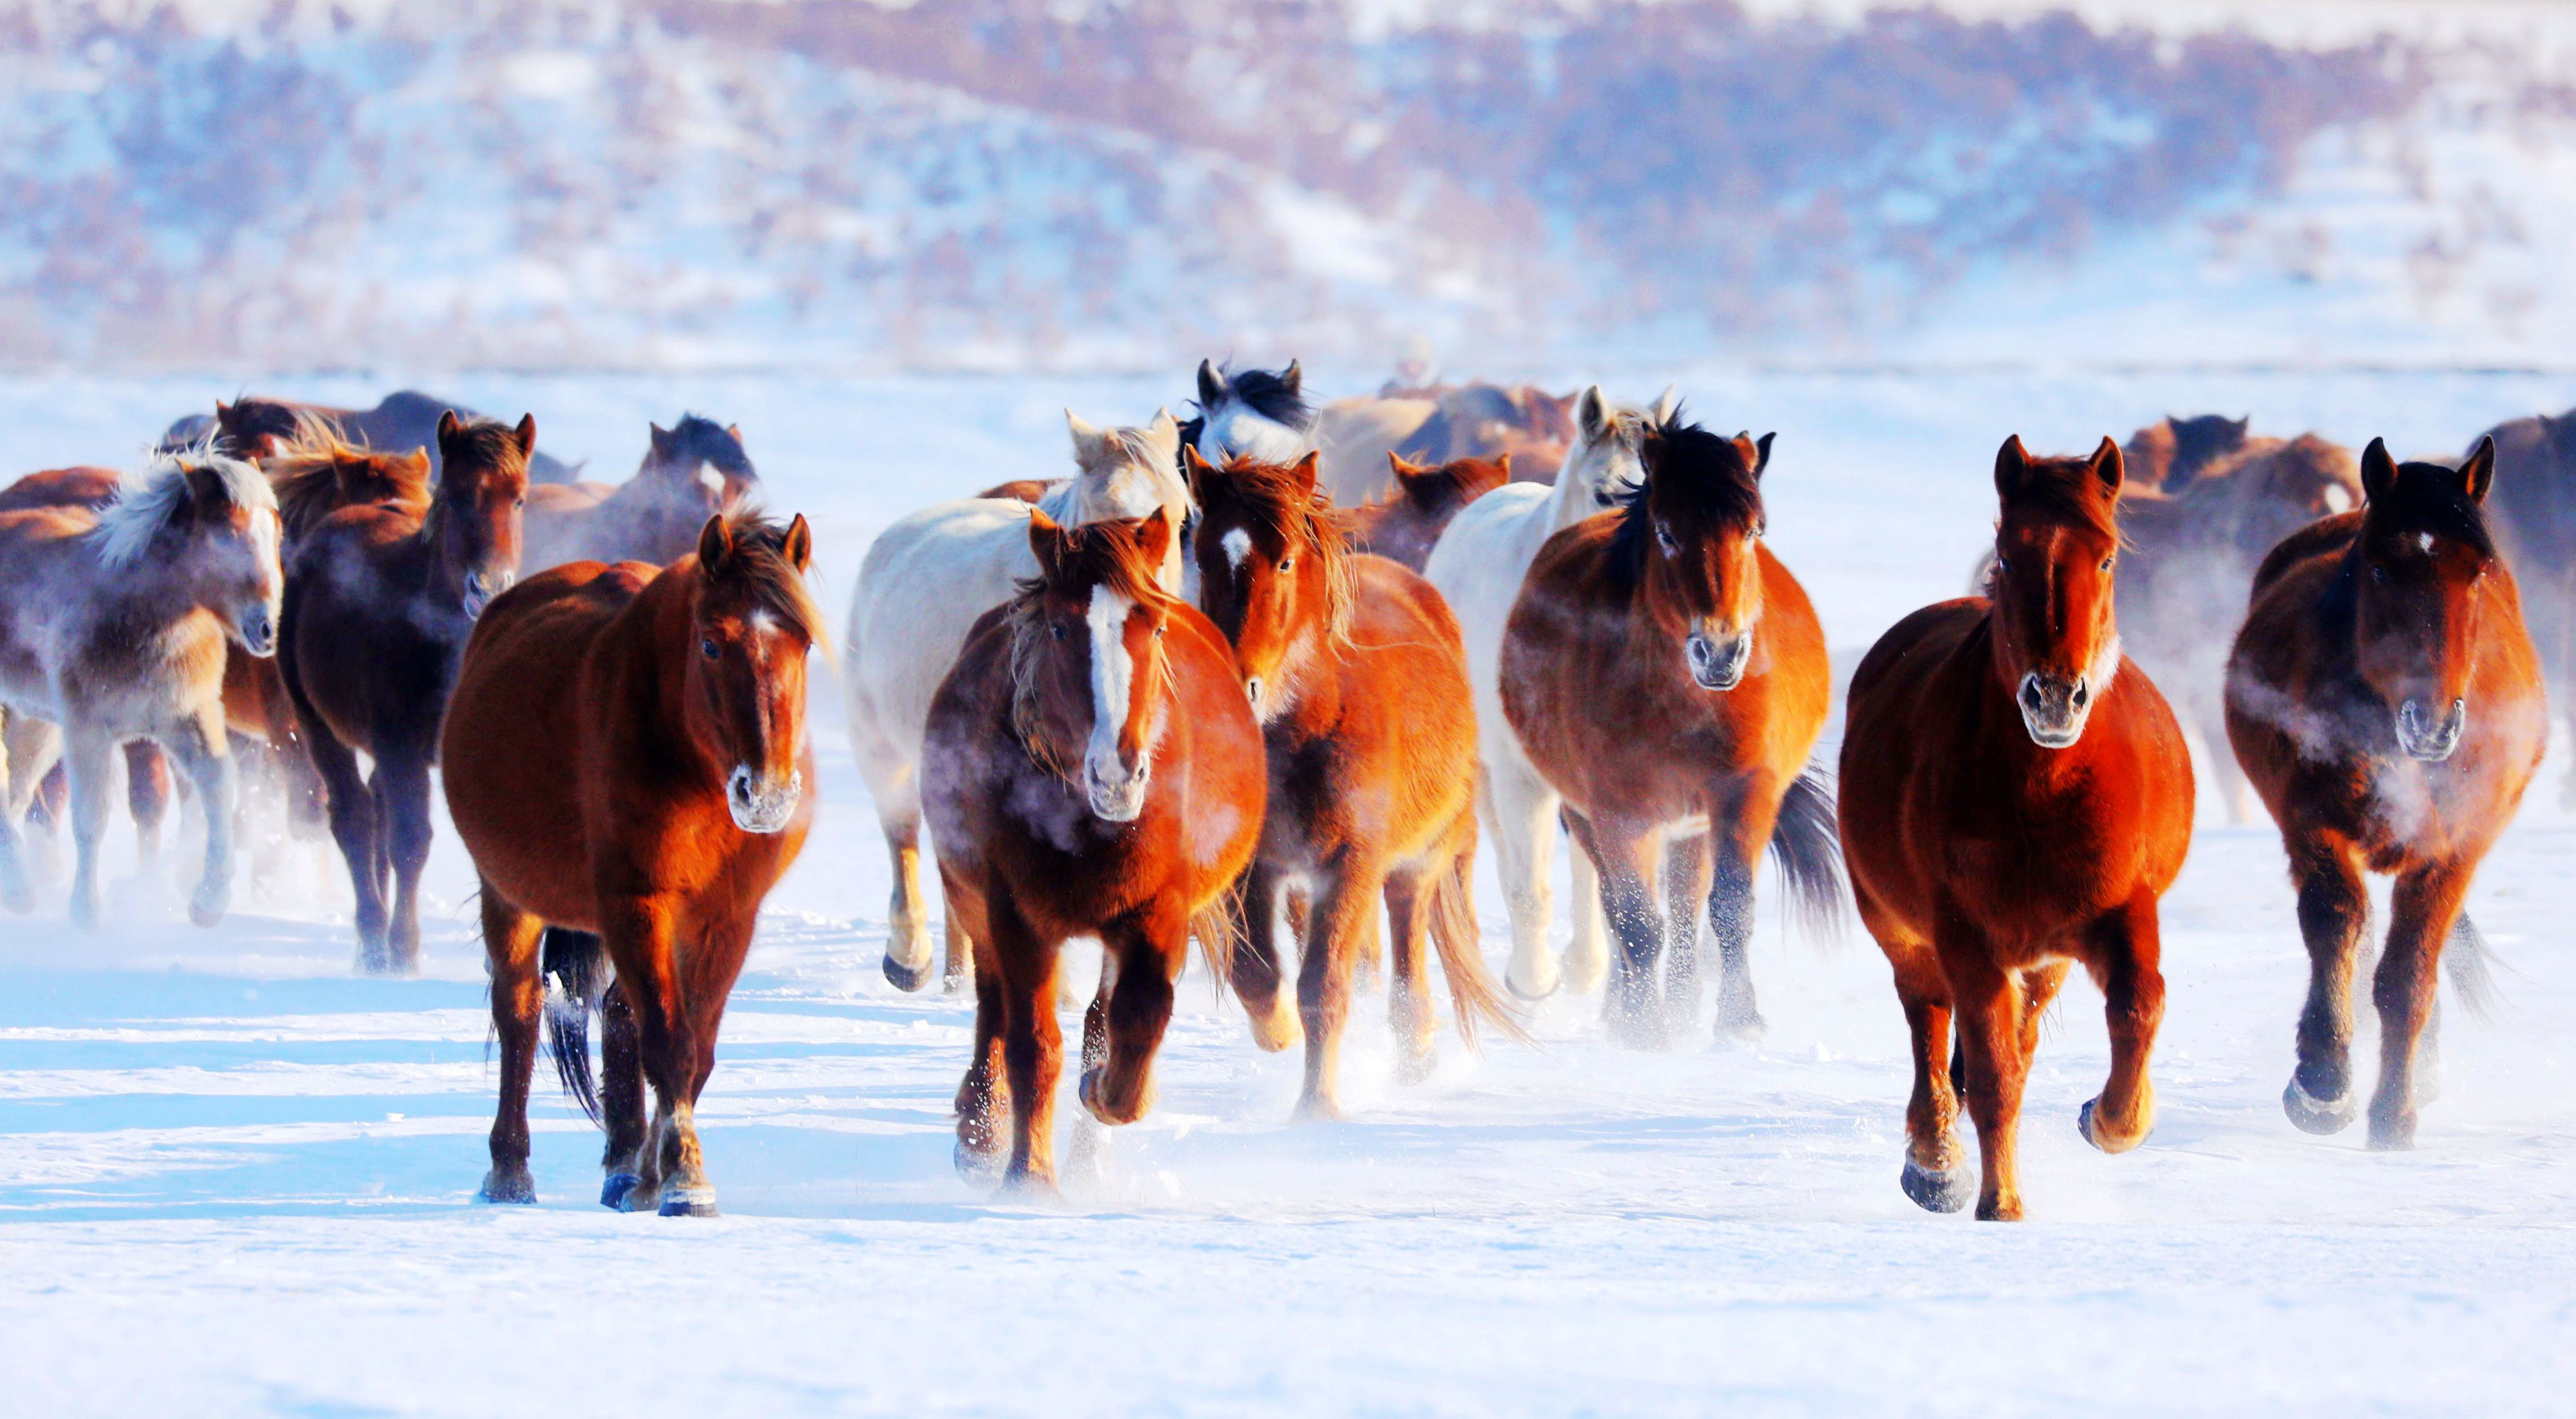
(1703, 467)
(696, 435)
(1270, 395)
(2427, 497)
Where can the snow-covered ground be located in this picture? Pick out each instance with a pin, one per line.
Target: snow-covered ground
(234, 1178)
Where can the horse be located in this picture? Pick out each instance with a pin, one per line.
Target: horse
(379, 601)
(1403, 526)
(2015, 796)
(1354, 669)
(1665, 674)
(1491, 420)
(1477, 565)
(2533, 518)
(253, 427)
(1251, 412)
(113, 624)
(691, 471)
(1356, 435)
(1091, 769)
(2387, 703)
(626, 760)
(2167, 455)
(924, 583)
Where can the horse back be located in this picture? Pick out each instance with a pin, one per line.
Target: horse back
(2325, 537)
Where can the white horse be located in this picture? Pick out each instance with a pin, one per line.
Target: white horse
(925, 582)
(1478, 565)
(1255, 413)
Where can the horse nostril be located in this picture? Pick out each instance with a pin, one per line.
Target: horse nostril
(2083, 694)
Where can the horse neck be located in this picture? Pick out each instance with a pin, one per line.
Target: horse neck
(151, 590)
(1569, 499)
(653, 638)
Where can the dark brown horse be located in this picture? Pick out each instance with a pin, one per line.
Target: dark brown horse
(1668, 676)
(379, 601)
(2386, 702)
(1402, 526)
(626, 759)
(2533, 516)
(691, 471)
(2167, 455)
(1354, 667)
(254, 428)
(2016, 796)
(1090, 769)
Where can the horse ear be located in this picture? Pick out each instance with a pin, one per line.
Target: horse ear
(1666, 405)
(1154, 536)
(2478, 474)
(1305, 473)
(207, 494)
(1047, 540)
(661, 437)
(1749, 451)
(2012, 467)
(1762, 453)
(1503, 461)
(1087, 437)
(798, 545)
(419, 459)
(734, 432)
(1211, 384)
(1592, 413)
(1402, 469)
(2108, 467)
(1194, 466)
(715, 546)
(527, 434)
(1293, 377)
(448, 427)
(224, 412)
(2378, 470)
(1163, 425)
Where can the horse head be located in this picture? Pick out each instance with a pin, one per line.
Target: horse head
(702, 462)
(2056, 643)
(751, 623)
(1691, 537)
(208, 523)
(1254, 414)
(1087, 654)
(2202, 440)
(1123, 474)
(2417, 573)
(1274, 571)
(257, 429)
(1601, 466)
(474, 517)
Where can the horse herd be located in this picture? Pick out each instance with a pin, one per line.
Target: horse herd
(1198, 691)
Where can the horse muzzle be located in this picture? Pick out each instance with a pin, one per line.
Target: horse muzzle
(1717, 664)
(1117, 795)
(2426, 740)
(481, 587)
(2054, 709)
(759, 807)
(257, 628)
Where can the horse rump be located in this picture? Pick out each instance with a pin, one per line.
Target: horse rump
(1807, 846)
(577, 963)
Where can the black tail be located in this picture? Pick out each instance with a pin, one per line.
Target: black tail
(1808, 847)
(2470, 962)
(578, 963)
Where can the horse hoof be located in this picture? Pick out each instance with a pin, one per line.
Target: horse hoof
(1744, 1033)
(908, 979)
(2392, 1136)
(1278, 1030)
(1317, 1109)
(955, 985)
(1534, 992)
(2318, 1116)
(1418, 1067)
(616, 1188)
(513, 1187)
(207, 909)
(689, 1202)
(979, 1166)
(1949, 1190)
(1088, 1090)
(2108, 1144)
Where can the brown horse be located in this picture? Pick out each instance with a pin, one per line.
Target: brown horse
(379, 600)
(254, 428)
(2387, 703)
(626, 759)
(1354, 667)
(1090, 769)
(1402, 526)
(691, 471)
(1668, 676)
(2533, 516)
(2015, 796)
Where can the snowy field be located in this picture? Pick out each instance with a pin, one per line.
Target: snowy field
(233, 1178)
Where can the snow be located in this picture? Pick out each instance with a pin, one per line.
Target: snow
(233, 1174)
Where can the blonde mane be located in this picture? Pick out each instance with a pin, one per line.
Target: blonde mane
(149, 502)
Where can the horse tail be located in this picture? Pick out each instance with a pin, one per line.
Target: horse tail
(2472, 968)
(1808, 847)
(1219, 928)
(1472, 996)
(578, 961)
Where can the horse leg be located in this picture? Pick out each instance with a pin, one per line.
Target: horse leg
(518, 999)
(2334, 910)
(982, 1095)
(352, 809)
(707, 977)
(1520, 815)
(1032, 1045)
(1089, 1155)
(1989, 1019)
(1336, 917)
(1135, 1010)
(402, 788)
(1587, 955)
(15, 890)
(1688, 880)
(1936, 1167)
(1255, 971)
(87, 759)
(147, 797)
(623, 1162)
(907, 953)
(2425, 903)
(1624, 855)
(637, 932)
(205, 754)
(1409, 894)
(2126, 955)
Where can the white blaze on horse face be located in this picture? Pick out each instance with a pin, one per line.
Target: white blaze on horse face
(1238, 545)
(1114, 793)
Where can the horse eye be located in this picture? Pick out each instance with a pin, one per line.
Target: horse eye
(1056, 630)
(707, 648)
(2002, 566)
(1287, 562)
(523, 502)
(2106, 563)
(2379, 575)
(1664, 538)
(1158, 630)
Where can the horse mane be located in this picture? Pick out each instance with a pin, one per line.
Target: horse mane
(1270, 492)
(1270, 396)
(1704, 467)
(307, 474)
(144, 505)
(2426, 497)
(2065, 490)
(760, 560)
(1031, 640)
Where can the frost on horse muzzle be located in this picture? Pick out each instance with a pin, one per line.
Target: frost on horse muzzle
(2426, 739)
(256, 626)
(2054, 708)
(1117, 793)
(762, 807)
(1718, 663)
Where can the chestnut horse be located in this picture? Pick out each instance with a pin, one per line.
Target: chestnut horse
(1403, 526)
(1090, 768)
(2016, 795)
(2387, 703)
(379, 600)
(1354, 668)
(626, 759)
(691, 471)
(1665, 673)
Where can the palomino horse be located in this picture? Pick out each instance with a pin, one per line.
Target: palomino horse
(1091, 770)
(2387, 703)
(626, 758)
(379, 600)
(1478, 565)
(925, 582)
(1403, 526)
(253, 428)
(2016, 795)
(1251, 413)
(691, 471)
(113, 624)
(1665, 673)
(1354, 670)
